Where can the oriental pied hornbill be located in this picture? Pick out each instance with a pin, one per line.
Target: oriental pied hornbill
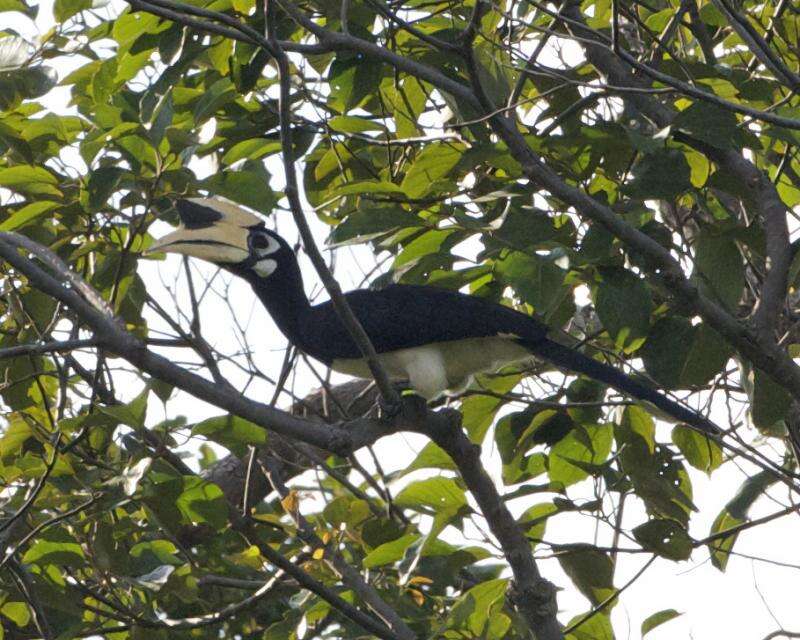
(433, 339)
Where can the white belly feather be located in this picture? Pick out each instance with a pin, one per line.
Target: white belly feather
(435, 368)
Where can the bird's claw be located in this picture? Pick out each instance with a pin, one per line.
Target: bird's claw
(411, 407)
(389, 409)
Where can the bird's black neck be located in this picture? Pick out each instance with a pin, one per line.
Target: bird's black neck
(283, 295)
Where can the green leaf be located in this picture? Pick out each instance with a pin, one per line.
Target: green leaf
(28, 179)
(658, 478)
(719, 269)
(534, 520)
(594, 626)
(699, 450)
(667, 538)
(29, 213)
(346, 510)
(473, 610)
(661, 175)
(539, 282)
(148, 555)
(131, 414)
(657, 619)
(56, 547)
(65, 9)
(436, 494)
(712, 124)
(231, 431)
(162, 118)
(249, 187)
(217, 95)
(364, 224)
(769, 401)
(369, 186)
(431, 243)
(17, 612)
(479, 410)
(590, 570)
(525, 228)
(679, 355)
(751, 489)
(16, 5)
(128, 28)
(203, 502)
(432, 456)
(720, 549)
(407, 100)
(103, 182)
(390, 552)
(17, 432)
(252, 149)
(353, 78)
(433, 164)
(623, 304)
(353, 124)
(582, 445)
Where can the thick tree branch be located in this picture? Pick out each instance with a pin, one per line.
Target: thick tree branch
(109, 333)
(533, 595)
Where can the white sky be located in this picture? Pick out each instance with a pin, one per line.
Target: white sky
(750, 600)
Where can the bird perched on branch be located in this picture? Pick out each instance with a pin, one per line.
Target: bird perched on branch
(434, 339)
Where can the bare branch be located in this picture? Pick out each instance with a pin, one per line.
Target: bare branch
(292, 192)
(109, 332)
(46, 347)
(533, 595)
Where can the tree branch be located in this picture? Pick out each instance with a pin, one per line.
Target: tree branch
(533, 595)
(758, 46)
(292, 191)
(349, 575)
(763, 195)
(110, 334)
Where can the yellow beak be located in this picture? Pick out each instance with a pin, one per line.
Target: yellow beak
(211, 229)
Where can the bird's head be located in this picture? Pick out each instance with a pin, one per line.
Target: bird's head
(221, 232)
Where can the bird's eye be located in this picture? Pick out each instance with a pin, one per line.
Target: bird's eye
(259, 241)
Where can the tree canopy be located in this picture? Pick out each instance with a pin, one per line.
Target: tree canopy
(626, 171)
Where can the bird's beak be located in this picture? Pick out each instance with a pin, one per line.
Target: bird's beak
(211, 229)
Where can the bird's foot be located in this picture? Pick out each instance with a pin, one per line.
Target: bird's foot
(411, 407)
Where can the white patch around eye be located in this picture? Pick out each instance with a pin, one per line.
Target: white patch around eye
(272, 247)
(265, 267)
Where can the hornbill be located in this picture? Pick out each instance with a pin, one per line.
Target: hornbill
(434, 339)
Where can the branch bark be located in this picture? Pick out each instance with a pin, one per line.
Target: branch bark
(534, 596)
(111, 335)
(763, 195)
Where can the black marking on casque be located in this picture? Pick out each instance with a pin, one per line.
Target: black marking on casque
(196, 216)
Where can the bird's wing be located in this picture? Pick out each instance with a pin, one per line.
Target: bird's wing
(405, 316)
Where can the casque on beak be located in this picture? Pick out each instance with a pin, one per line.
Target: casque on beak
(211, 229)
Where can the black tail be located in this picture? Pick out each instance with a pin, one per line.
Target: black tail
(573, 360)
